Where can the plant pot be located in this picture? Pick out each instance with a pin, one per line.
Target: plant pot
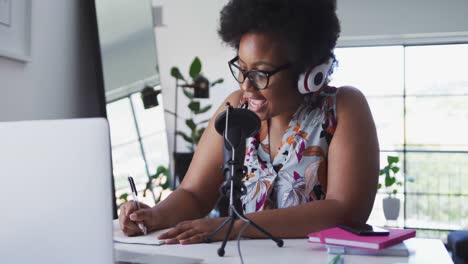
(391, 207)
(181, 164)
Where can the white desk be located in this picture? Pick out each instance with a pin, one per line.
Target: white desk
(423, 251)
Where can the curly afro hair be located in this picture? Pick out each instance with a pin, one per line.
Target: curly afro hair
(309, 27)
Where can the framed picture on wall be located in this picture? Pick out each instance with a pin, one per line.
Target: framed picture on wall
(15, 29)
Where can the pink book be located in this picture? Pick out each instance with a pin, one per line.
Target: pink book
(338, 236)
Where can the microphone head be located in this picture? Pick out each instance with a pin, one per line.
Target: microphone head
(239, 119)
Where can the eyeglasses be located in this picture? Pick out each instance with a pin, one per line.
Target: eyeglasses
(259, 78)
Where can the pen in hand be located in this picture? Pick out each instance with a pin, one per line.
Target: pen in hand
(135, 200)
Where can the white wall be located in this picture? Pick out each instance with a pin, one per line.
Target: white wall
(60, 80)
(191, 30)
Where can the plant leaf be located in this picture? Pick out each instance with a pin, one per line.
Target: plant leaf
(203, 110)
(165, 185)
(379, 186)
(394, 191)
(147, 188)
(159, 198)
(395, 169)
(124, 196)
(188, 93)
(201, 131)
(204, 121)
(190, 147)
(392, 159)
(194, 106)
(194, 136)
(196, 140)
(175, 72)
(161, 170)
(220, 80)
(198, 135)
(381, 172)
(195, 68)
(389, 181)
(186, 138)
(191, 124)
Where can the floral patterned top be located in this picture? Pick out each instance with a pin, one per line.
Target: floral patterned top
(298, 173)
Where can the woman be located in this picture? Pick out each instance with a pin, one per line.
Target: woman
(314, 163)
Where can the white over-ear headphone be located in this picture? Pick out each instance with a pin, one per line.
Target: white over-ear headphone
(313, 79)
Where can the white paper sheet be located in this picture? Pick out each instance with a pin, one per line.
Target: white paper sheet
(149, 239)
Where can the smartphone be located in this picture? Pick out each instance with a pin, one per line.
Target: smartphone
(365, 230)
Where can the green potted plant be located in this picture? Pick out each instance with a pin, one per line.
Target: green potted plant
(390, 178)
(195, 87)
(391, 204)
(159, 181)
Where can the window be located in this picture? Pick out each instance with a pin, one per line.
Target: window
(139, 142)
(418, 96)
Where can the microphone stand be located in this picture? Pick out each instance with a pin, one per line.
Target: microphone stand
(234, 187)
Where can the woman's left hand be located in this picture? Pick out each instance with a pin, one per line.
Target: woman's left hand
(196, 231)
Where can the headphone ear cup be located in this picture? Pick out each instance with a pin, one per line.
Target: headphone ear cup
(313, 79)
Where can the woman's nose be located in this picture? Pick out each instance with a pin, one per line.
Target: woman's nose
(247, 85)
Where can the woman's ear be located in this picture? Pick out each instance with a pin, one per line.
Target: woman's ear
(314, 78)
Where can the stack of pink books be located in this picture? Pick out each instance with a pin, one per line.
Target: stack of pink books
(341, 237)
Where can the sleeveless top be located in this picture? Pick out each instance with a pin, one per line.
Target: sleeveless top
(298, 172)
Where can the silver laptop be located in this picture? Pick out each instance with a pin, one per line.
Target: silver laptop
(55, 183)
(56, 200)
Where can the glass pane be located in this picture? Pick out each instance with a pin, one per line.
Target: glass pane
(436, 211)
(439, 69)
(126, 35)
(156, 151)
(438, 196)
(121, 122)
(127, 160)
(388, 118)
(437, 173)
(373, 70)
(150, 120)
(437, 123)
(463, 208)
(434, 234)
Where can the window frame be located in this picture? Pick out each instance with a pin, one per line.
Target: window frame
(405, 150)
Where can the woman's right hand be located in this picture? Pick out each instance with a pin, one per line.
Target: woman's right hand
(130, 216)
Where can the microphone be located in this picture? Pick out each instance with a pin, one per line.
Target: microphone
(235, 125)
(239, 124)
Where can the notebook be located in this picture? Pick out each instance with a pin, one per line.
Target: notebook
(129, 257)
(338, 236)
(398, 250)
(149, 239)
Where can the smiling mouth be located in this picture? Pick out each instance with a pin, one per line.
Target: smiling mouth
(256, 105)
